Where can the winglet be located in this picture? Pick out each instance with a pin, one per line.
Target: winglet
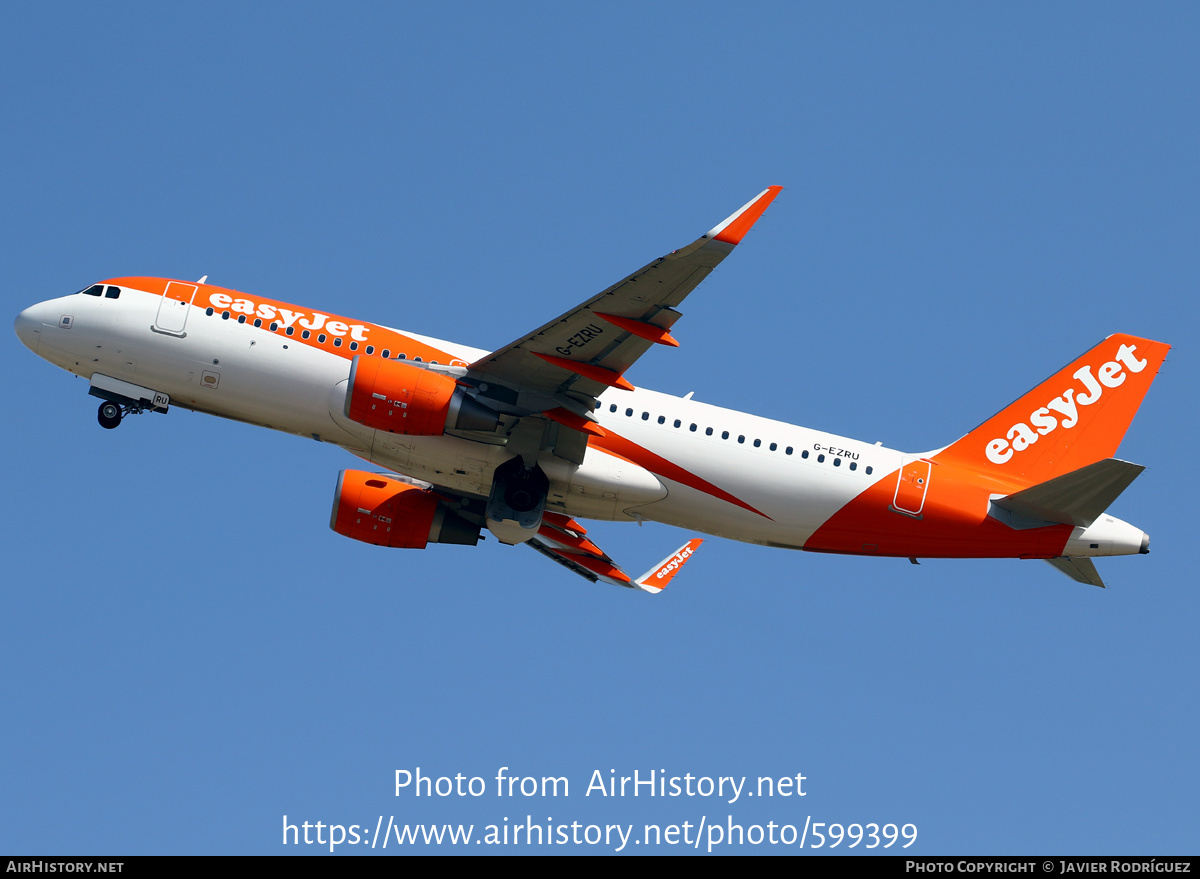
(735, 227)
(657, 577)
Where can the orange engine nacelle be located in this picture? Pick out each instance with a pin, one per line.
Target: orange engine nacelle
(375, 509)
(400, 398)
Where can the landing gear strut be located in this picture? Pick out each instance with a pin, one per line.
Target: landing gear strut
(110, 415)
(518, 498)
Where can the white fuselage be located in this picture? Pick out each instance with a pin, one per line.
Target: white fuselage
(726, 473)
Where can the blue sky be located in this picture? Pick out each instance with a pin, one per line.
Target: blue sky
(975, 194)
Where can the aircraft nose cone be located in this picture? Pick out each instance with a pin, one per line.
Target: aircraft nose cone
(28, 328)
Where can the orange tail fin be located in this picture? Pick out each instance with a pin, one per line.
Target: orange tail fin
(1074, 418)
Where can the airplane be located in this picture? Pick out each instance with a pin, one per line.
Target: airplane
(527, 440)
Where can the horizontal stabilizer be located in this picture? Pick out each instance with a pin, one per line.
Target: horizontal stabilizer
(1075, 498)
(1081, 570)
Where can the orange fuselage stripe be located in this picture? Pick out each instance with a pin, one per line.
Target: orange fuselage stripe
(333, 327)
(618, 445)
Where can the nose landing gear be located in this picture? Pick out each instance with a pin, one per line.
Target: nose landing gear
(110, 415)
(120, 398)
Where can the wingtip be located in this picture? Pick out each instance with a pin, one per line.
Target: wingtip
(656, 579)
(734, 228)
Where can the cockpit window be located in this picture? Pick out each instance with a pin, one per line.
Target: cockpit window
(109, 292)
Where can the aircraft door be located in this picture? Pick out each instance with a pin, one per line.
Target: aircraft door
(173, 308)
(912, 486)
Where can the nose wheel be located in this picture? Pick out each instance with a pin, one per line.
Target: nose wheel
(110, 415)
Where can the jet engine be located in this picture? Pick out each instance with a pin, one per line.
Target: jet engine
(401, 398)
(377, 509)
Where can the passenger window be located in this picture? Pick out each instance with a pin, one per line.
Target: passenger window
(820, 459)
(868, 471)
(291, 330)
(241, 318)
(337, 343)
(628, 413)
(401, 356)
(370, 348)
(274, 326)
(837, 462)
(724, 434)
(804, 453)
(209, 311)
(757, 443)
(321, 338)
(353, 345)
(386, 353)
(741, 439)
(645, 416)
(306, 334)
(678, 423)
(692, 428)
(788, 450)
(258, 321)
(662, 419)
(853, 465)
(612, 407)
(708, 431)
(224, 315)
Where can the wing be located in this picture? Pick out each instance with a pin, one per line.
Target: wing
(576, 357)
(563, 540)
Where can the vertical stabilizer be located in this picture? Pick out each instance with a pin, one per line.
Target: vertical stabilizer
(1074, 418)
